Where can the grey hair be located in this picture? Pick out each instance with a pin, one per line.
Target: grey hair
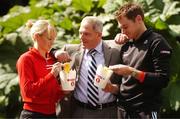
(95, 22)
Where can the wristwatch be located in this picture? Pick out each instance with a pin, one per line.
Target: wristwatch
(134, 73)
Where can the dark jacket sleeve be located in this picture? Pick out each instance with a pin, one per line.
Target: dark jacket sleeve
(161, 55)
(52, 52)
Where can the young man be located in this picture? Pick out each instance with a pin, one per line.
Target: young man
(144, 66)
(89, 101)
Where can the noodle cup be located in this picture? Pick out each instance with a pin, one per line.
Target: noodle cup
(68, 80)
(103, 74)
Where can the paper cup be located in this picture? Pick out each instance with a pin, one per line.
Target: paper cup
(68, 80)
(103, 74)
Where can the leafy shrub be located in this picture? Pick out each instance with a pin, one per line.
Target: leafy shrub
(66, 15)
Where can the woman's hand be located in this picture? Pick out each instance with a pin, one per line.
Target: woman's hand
(56, 68)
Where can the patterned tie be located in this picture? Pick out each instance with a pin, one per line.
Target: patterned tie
(92, 92)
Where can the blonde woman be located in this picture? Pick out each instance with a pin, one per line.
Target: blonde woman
(39, 86)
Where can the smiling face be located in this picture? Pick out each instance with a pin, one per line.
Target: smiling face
(90, 32)
(130, 18)
(89, 37)
(43, 35)
(129, 27)
(46, 40)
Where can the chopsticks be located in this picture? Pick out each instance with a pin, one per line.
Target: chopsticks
(49, 66)
(71, 62)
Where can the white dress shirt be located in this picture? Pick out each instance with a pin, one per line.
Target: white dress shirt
(80, 92)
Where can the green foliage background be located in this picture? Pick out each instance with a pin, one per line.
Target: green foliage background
(66, 15)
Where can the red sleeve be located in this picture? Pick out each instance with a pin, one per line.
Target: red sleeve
(30, 88)
(60, 94)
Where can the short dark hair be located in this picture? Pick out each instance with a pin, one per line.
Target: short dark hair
(130, 10)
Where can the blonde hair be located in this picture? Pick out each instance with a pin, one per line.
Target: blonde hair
(39, 27)
(95, 22)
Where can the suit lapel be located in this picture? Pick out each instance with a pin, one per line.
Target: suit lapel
(79, 58)
(107, 53)
(81, 53)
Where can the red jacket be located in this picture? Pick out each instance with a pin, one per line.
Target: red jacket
(39, 88)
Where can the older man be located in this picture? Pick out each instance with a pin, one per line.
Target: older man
(89, 101)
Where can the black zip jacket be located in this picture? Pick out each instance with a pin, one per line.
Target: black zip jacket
(151, 54)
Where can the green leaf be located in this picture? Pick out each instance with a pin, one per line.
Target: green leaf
(11, 83)
(33, 2)
(101, 3)
(37, 12)
(148, 22)
(2, 100)
(175, 19)
(74, 41)
(170, 9)
(12, 38)
(83, 5)
(106, 29)
(111, 6)
(161, 25)
(14, 21)
(11, 24)
(57, 7)
(5, 78)
(66, 23)
(175, 97)
(175, 30)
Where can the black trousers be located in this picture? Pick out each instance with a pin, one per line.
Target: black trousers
(70, 108)
(123, 114)
(26, 114)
